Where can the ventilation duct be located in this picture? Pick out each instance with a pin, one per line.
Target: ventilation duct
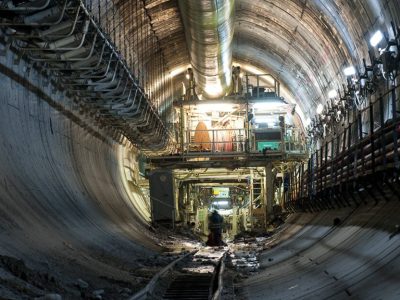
(209, 32)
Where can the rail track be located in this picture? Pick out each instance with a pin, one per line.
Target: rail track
(193, 276)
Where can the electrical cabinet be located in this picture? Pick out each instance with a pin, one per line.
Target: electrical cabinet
(162, 196)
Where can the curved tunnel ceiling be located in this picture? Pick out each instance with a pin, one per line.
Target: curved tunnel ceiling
(300, 42)
(296, 41)
(306, 44)
(69, 197)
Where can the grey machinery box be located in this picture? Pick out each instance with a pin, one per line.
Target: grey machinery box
(162, 195)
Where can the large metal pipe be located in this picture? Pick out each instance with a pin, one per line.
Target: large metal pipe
(209, 32)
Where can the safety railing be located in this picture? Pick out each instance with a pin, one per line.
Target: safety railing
(261, 86)
(215, 140)
(294, 141)
(363, 157)
(241, 141)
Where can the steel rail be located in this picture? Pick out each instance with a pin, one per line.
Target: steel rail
(149, 288)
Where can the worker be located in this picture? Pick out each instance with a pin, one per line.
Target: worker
(215, 225)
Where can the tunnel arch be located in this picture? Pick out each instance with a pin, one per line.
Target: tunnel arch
(67, 187)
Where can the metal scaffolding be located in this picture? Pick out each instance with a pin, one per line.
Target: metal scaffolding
(81, 47)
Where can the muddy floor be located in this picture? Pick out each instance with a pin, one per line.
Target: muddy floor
(91, 273)
(88, 273)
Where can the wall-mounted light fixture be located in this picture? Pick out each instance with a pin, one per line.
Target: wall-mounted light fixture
(189, 74)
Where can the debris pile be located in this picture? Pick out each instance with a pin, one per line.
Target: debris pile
(245, 261)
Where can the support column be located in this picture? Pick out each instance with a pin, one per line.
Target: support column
(181, 199)
(269, 191)
(188, 192)
(251, 196)
(182, 129)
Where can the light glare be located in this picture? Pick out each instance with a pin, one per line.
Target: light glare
(376, 38)
(178, 71)
(349, 71)
(222, 202)
(213, 90)
(332, 94)
(268, 104)
(218, 107)
(320, 108)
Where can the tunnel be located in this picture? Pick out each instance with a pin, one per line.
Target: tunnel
(125, 123)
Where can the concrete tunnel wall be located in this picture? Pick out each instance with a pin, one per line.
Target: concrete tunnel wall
(62, 192)
(357, 259)
(63, 198)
